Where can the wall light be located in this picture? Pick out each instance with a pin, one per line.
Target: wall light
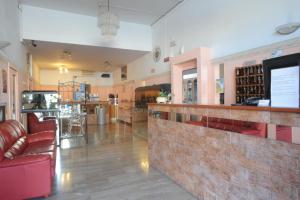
(287, 29)
(63, 70)
(4, 44)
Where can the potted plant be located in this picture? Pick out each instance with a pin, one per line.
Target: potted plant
(162, 98)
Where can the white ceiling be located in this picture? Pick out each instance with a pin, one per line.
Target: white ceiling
(135, 11)
(48, 55)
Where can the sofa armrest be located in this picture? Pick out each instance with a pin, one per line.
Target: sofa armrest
(24, 160)
(40, 136)
(25, 177)
(47, 125)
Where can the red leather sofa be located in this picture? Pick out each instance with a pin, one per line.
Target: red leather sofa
(27, 162)
(35, 125)
(243, 127)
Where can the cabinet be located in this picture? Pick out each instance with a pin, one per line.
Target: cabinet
(249, 82)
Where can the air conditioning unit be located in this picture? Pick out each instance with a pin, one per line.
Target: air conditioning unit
(105, 75)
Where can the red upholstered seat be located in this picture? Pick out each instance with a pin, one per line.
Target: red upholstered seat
(27, 162)
(284, 133)
(40, 147)
(36, 126)
(238, 126)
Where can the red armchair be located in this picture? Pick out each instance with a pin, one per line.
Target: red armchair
(35, 126)
(27, 162)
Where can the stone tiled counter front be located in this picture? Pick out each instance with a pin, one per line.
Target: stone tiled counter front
(218, 164)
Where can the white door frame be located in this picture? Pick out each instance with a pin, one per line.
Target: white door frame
(13, 72)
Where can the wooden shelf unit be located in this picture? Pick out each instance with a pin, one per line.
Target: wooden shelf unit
(249, 82)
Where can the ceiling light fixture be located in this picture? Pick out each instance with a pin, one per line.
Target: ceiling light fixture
(63, 70)
(66, 55)
(287, 29)
(4, 44)
(107, 65)
(108, 23)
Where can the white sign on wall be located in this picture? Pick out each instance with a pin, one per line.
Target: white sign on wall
(285, 87)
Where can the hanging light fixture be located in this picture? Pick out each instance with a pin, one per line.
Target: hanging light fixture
(108, 23)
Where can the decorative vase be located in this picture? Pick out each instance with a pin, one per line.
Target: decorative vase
(161, 99)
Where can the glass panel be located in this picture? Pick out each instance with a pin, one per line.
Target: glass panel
(179, 117)
(159, 115)
(194, 118)
(39, 101)
(189, 86)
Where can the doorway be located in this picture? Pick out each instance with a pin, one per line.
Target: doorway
(189, 86)
(13, 103)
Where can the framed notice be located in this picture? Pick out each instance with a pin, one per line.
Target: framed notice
(285, 87)
(124, 73)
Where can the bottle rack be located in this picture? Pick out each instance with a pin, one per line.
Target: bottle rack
(249, 82)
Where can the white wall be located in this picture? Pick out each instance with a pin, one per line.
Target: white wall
(52, 77)
(15, 54)
(10, 31)
(227, 27)
(63, 27)
(142, 68)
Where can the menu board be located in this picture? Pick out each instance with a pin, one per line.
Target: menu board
(285, 87)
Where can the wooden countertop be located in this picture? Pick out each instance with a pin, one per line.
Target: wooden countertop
(255, 108)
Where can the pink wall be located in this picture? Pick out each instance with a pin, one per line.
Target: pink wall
(199, 58)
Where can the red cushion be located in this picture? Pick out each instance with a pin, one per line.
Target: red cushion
(16, 149)
(40, 136)
(18, 127)
(35, 126)
(6, 140)
(40, 147)
(8, 136)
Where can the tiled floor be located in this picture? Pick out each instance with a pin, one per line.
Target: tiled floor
(114, 165)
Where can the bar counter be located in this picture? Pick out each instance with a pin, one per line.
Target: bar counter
(253, 152)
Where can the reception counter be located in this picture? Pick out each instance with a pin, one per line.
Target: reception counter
(252, 152)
